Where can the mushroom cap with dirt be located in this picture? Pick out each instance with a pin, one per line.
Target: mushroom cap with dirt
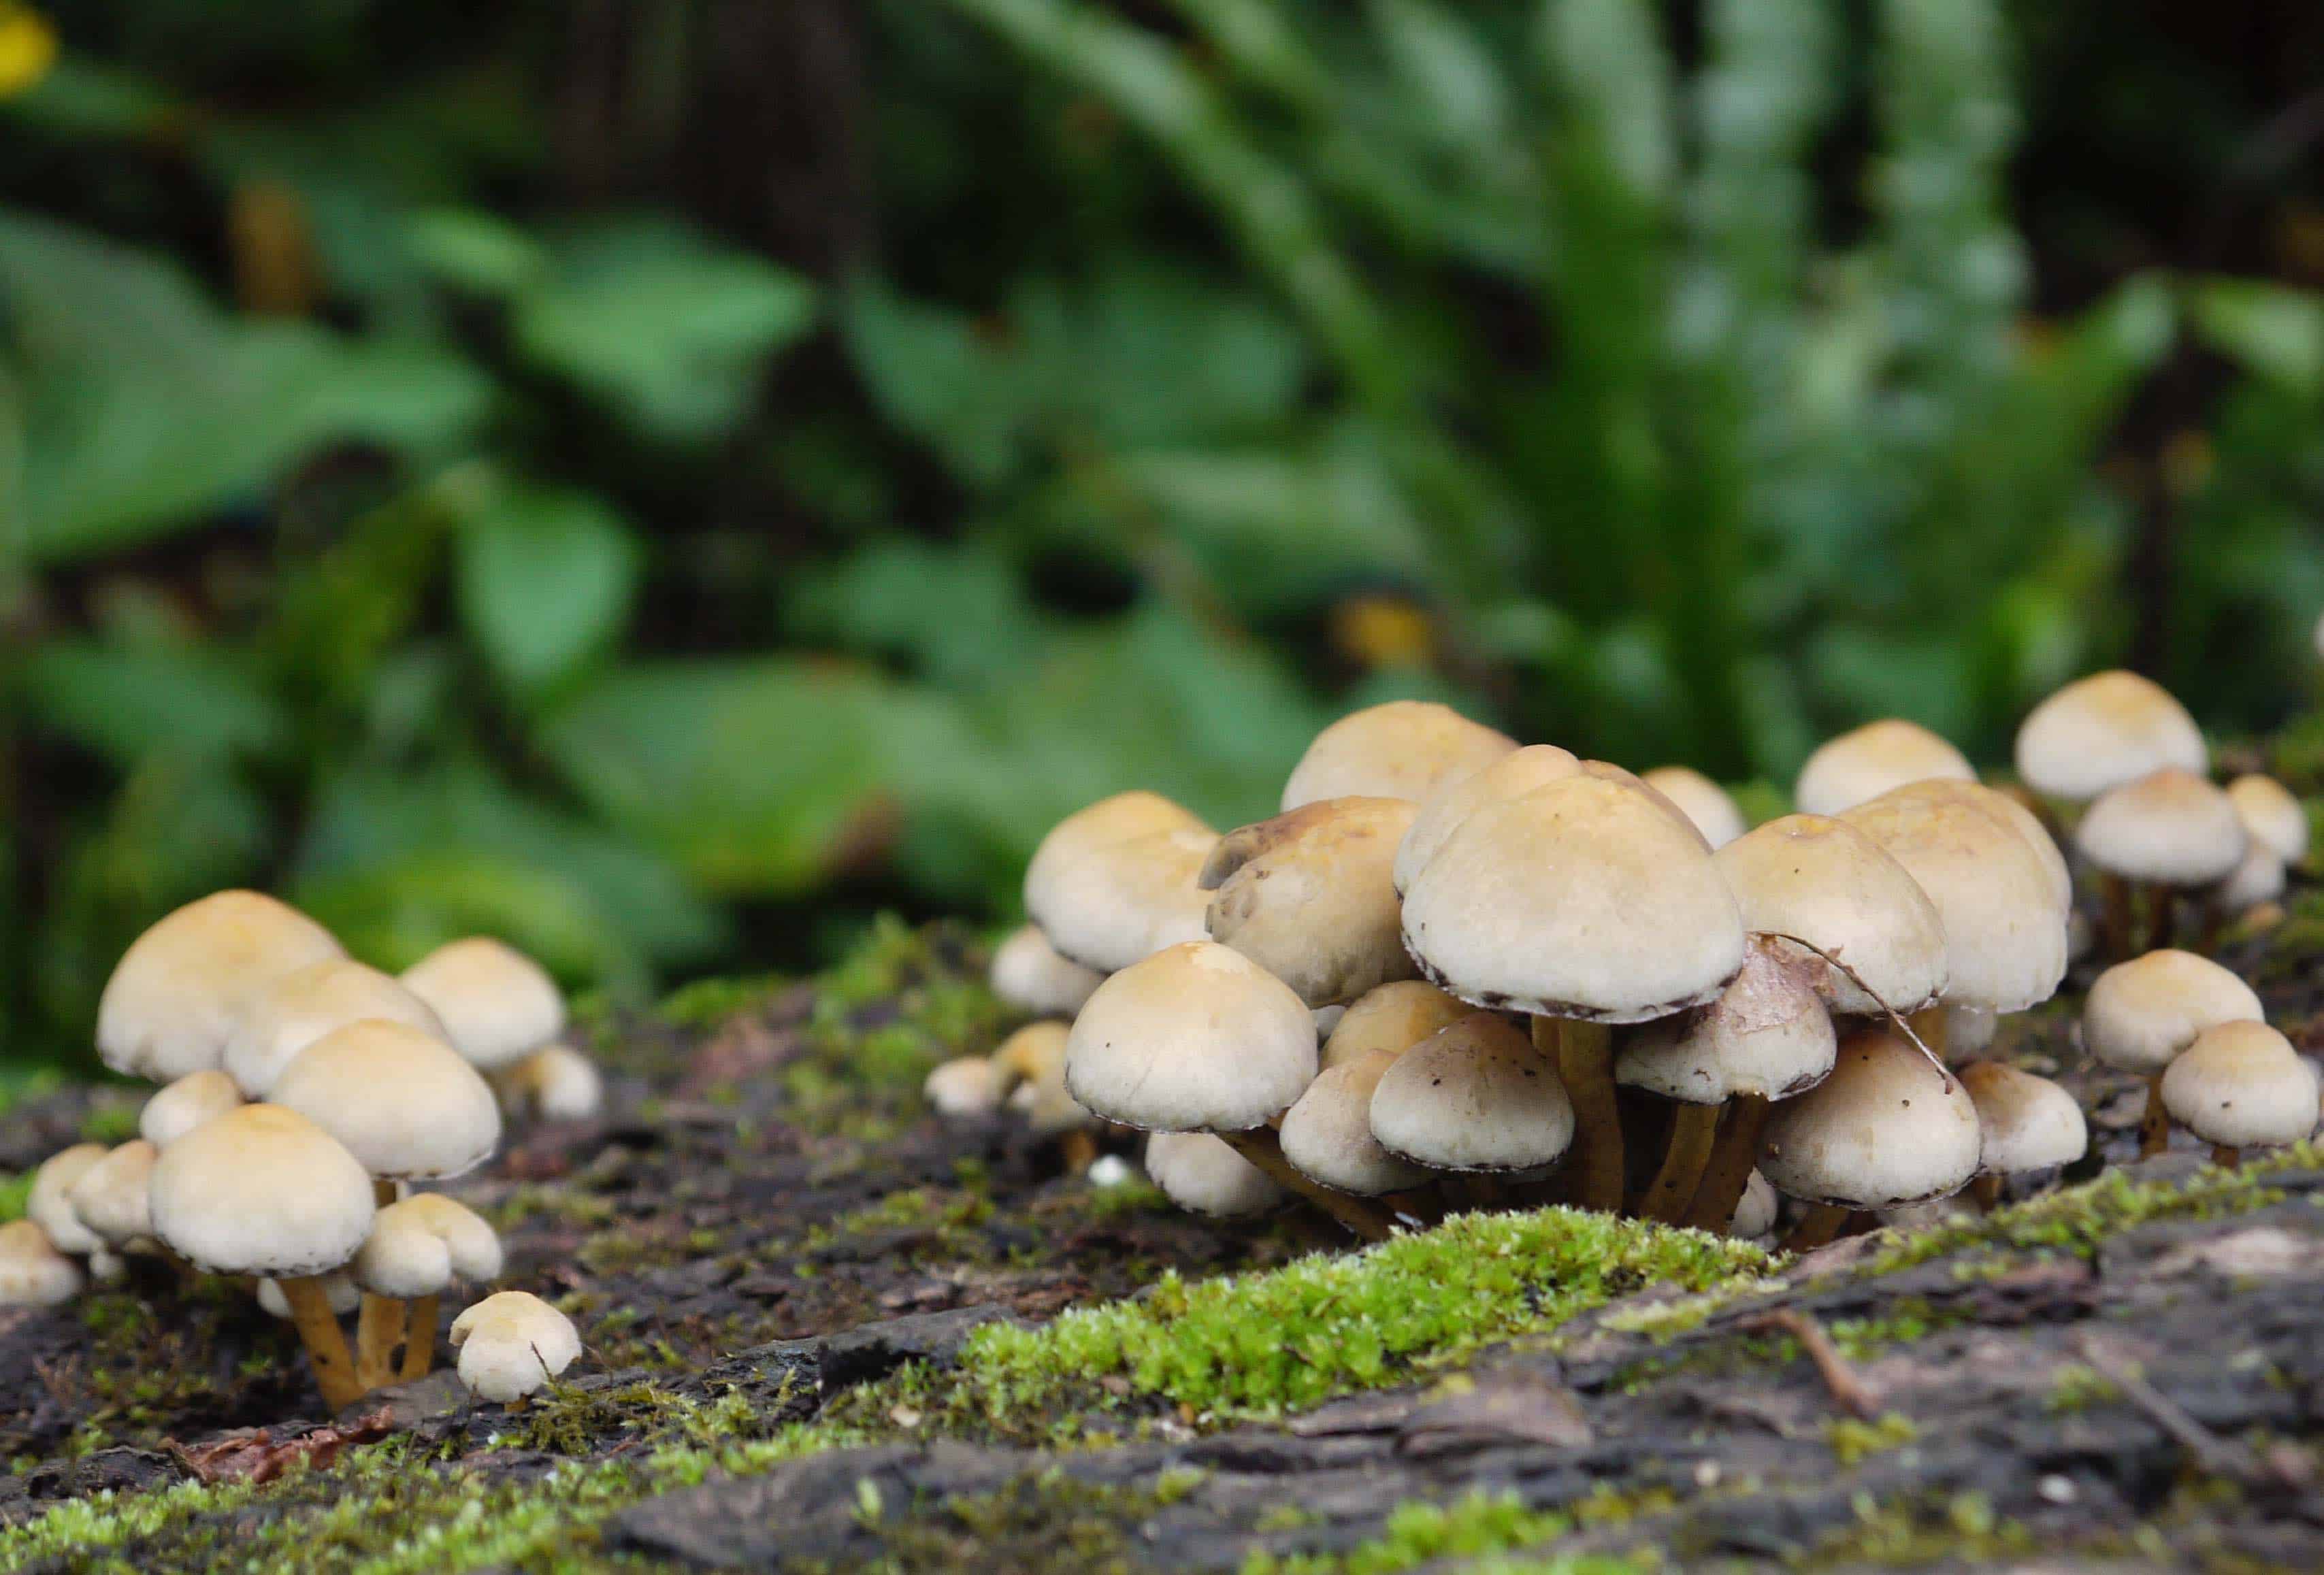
(1203, 1175)
(1030, 975)
(1456, 799)
(1392, 1017)
(303, 1005)
(1826, 883)
(1475, 1097)
(1767, 1034)
(1887, 1126)
(512, 1344)
(184, 1104)
(418, 1246)
(1197, 1037)
(49, 1204)
(1123, 902)
(261, 1190)
(1308, 895)
(2272, 817)
(2170, 827)
(1328, 1134)
(2141, 1014)
(1867, 761)
(963, 1087)
(1701, 800)
(112, 1197)
(2025, 1122)
(1404, 749)
(173, 1001)
(497, 1004)
(2100, 732)
(2241, 1085)
(32, 1271)
(404, 1103)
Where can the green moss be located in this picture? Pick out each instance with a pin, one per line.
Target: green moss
(1477, 1525)
(1958, 1530)
(1853, 1442)
(2077, 1387)
(110, 1122)
(15, 1193)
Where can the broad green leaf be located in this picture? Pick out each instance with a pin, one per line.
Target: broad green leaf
(931, 372)
(546, 579)
(477, 252)
(2273, 331)
(127, 702)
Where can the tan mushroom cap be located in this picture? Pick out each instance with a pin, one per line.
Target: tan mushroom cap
(32, 1271)
(1477, 1096)
(1194, 1038)
(173, 1000)
(2271, 815)
(2103, 731)
(2171, 827)
(1030, 974)
(1404, 749)
(1702, 800)
(303, 1005)
(2241, 1085)
(1307, 895)
(1754, 1211)
(1118, 819)
(49, 1204)
(2025, 1122)
(2005, 933)
(498, 1006)
(1885, 1128)
(1393, 1018)
(2141, 1014)
(1030, 1069)
(1124, 900)
(2004, 808)
(261, 1191)
(1204, 1175)
(1579, 899)
(418, 1246)
(110, 1197)
(1833, 886)
(1862, 764)
(512, 1344)
(1510, 775)
(963, 1087)
(556, 1083)
(2260, 877)
(1767, 1034)
(404, 1103)
(186, 1104)
(1328, 1135)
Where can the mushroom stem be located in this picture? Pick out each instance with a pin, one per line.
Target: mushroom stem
(1817, 1227)
(2118, 920)
(1081, 1151)
(1264, 1149)
(2227, 1156)
(380, 1323)
(2154, 1126)
(1986, 1191)
(1733, 1154)
(418, 1338)
(327, 1345)
(1934, 1031)
(1584, 1054)
(1694, 1128)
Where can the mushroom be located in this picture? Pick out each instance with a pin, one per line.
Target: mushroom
(293, 1011)
(416, 1250)
(1755, 1213)
(1477, 1096)
(1458, 798)
(110, 1198)
(2103, 731)
(1204, 1175)
(1124, 900)
(1393, 1018)
(264, 1191)
(556, 1083)
(2273, 818)
(1969, 1031)
(49, 1204)
(1865, 935)
(32, 1271)
(1327, 1135)
(2140, 1015)
(2168, 830)
(1584, 904)
(2010, 811)
(1029, 1077)
(1702, 800)
(2024, 1124)
(340, 1293)
(2258, 878)
(1030, 973)
(173, 1001)
(1404, 749)
(1863, 764)
(512, 1344)
(963, 1087)
(2241, 1085)
(497, 1004)
(1307, 895)
(1887, 1128)
(186, 1104)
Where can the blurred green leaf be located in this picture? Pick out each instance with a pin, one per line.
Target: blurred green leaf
(2271, 331)
(546, 579)
(477, 252)
(129, 703)
(933, 375)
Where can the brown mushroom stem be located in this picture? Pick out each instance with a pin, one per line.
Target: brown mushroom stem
(1734, 1154)
(2118, 919)
(379, 1328)
(1985, 1191)
(1817, 1227)
(418, 1338)
(1264, 1149)
(1934, 1031)
(1081, 1151)
(327, 1345)
(1482, 1191)
(2227, 1156)
(2154, 1126)
(1694, 1130)
(1584, 1054)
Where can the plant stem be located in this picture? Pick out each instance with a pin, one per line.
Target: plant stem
(1264, 1149)
(1584, 1054)
(2118, 921)
(1734, 1154)
(1818, 1226)
(2227, 1156)
(1694, 1128)
(326, 1345)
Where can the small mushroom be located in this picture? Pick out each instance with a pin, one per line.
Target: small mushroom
(497, 1004)
(2140, 1015)
(416, 1250)
(110, 1198)
(2024, 1124)
(1308, 896)
(1478, 1096)
(32, 1271)
(298, 1009)
(1405, 748)
(49, 1204)
(963, 1087)
(1393, 1018)
(1701, 800)
(175, 998)
(512, 1344)
(1755, 1213)
(1461, 796)
(1203, 1175)
(1030, 974)
(1328, 1134)
(2241, 1085)
(556, 1083)
(2274, 819)
(2169, 831)
(1861, 765)
(186, 1104)
(1031, 1068)
(1825, 882)
(339, 1289)
(2103, 731)
(2259, 879)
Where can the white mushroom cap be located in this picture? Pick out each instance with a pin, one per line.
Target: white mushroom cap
(2241, 1085)
(1885, 1128)
(1204, 1175)
(49, 1204)
(2141, 1014)
(1477, 1096)
(418, 1246)
(2100, 732)
(2005, 808)
(1118, 819)
(2025, 1122)
(1307, 895)
(498, 1006)
(109, 1197)
(1767, 1034)
(2170, 826)
(1404, 749)
(1456, 799)
(966, 1085)
(303, 1005)
(32, 1271)
(1755, 1212)
(1831, 885)
(403, 1102)
(261, 1191)
(106, 1265)
(339, 1290)
(1861, 765)
(172, 1002)
(2275, 819)
(1969, 1031)
(1328, 1134)
(1702, 800)
(1124, 900)
(1393, 1018)
(2258, 878)
(1030, 973)
(1582, 898)
(512, 1344)
(186, 1104)
(1196, 1039)
(561, 1084)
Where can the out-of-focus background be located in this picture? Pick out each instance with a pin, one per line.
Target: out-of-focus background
(663, 480)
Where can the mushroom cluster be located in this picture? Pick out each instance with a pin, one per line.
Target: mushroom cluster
(303, 1096)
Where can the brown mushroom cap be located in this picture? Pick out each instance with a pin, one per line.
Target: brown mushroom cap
(1307, 895)
(1861, 765)
(2171, 827)
(1767, 1034)
(1703, 801)
(2139, 1015)
(1833, 886)
(1885, 1128)
(173, 1003)
(2103, 731)
(1457, 798)
(1477, 1096)
(1404, 749)
(1393, 1018)
(1194, 1038)
(2025, 1122)
(2241, 1085)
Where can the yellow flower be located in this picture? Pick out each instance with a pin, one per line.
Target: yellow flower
(28, 48)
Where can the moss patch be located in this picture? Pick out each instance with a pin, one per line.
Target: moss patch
(1476, 1526)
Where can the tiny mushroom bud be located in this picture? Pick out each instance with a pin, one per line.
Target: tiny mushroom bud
(1203, 1175)
(2024, 1123)
(2103, 731)
(173, 1001)
(1886, 1127)
(1861, 765)
(965, 1086)
(2241, 1085)
(1393, 1018)
(1701, 800)
(497, 1004)
(32, 1271)
(49, 1204)
(1404, 749)
(556, 1083)
(1476, 1097)
(1459, 797)
(417, 1248)
(111, 1198)
(512, 1344)
(186, 1104)
(1307, 895)
(303, 1005)
(1328, 1134)
(1030, 973)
